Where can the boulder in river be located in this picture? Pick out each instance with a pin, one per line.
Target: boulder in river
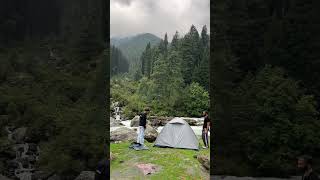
(123, 134)
(150, 134)
(86, 175)
(135, 121)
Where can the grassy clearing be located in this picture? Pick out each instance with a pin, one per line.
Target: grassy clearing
(174, 163)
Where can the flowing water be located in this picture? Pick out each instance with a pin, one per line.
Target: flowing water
(24, 159)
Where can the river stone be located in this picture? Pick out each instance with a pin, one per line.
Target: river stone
(123, 134)
(86, 175)
(135, 121)
(159, 121)
(204, 160)
(150, 134)
(19, 134)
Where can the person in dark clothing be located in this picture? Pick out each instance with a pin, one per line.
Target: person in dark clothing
(102, 170)
(205, 129)
(305, 166)
(142, 126)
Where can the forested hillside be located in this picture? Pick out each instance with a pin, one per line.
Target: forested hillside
(265, 85)
(118, 62)
(133, 46)
(173, 79)
(53, 77)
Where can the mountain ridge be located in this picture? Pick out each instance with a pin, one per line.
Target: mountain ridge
(133, 46)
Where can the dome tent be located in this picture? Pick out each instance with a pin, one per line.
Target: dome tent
(177, 134)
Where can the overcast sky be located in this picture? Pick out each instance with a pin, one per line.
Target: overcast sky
(131, 17)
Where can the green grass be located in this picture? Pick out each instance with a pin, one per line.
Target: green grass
(174, 163)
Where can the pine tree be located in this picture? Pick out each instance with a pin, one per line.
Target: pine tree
(190, 51)
(175, 42)
(204, 37)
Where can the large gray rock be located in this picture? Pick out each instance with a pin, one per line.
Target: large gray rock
(150, 134)
(135, 121)
(86, 175)
(123, 134)
(19, 134)
(159, 121)
(191, 122)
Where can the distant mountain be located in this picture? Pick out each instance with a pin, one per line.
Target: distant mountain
(133, 46)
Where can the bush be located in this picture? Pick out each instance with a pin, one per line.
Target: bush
(196, 100)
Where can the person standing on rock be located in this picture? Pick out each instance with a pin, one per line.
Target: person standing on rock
(142, 126)
(305, 166)
(205, 129)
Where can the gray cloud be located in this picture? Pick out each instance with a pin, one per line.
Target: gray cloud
(130, 17)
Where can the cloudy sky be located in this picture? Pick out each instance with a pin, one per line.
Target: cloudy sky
(131, 17)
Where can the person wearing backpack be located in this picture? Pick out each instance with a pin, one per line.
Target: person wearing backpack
(142, 126)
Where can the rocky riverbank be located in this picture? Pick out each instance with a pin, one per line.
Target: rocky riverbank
(155, 123)
(19, 153)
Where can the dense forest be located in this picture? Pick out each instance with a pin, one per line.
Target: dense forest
(172, 79)
(265, 85)
(132, 47)
(53, 78)
(118, 62)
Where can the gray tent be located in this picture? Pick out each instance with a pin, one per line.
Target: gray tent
(177, 134)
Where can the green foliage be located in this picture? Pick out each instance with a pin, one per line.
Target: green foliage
(282, 115)
(263, 111)
(196, 100)
(162, 81)
(133, 47)
(60, 108)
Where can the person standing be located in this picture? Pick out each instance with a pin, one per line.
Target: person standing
(205, 129)
(142, 126)
(305, 167)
